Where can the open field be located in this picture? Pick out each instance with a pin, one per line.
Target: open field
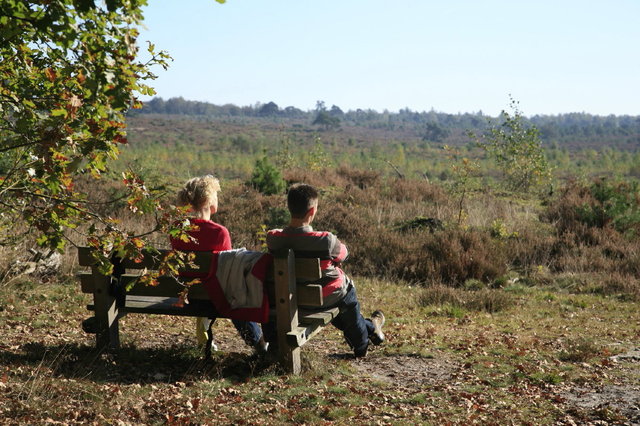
(503, 307)
(546, 356)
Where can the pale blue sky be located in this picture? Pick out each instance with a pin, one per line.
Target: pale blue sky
(453, 56)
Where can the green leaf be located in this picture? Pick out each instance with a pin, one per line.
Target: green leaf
(59, 113)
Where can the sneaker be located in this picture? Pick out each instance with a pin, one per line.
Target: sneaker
(90, 325)
(261, 347)
(209, 347)
(377, 318)
(361, 353)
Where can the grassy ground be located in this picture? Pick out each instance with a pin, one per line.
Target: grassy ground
(545, 355)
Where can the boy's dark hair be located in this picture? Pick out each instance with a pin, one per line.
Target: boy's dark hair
(300, 198)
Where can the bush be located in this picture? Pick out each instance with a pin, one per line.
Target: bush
(615, 204)
(266, 178)
(439, 294)
(420, 222)
(456, 256)
(602, 204)
(579, 350)
(406, 190)
(484, 300)
(487, 300)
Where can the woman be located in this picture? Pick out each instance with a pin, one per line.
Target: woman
(201, 195)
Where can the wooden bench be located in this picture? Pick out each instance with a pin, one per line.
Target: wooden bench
(111, 300)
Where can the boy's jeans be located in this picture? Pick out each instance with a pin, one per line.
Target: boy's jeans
(355, 328)
(249, 331)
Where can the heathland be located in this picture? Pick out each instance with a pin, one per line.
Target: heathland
(510, 297)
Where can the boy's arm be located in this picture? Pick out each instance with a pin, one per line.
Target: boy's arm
(339, 251)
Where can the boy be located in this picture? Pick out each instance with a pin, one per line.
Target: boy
(337, 288)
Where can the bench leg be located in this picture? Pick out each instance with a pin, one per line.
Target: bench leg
(106, 311)
(286, 311)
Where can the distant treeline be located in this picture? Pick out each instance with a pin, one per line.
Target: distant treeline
(622, 131)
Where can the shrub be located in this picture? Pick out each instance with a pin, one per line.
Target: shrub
(406, 190)
(532, 248)
(615, 204)
(484, 300)
(439, 294)
(420, 222)
(455, 256)
(602, 204)
(487, 300)
(363, 179)
(266, 178)
(517, 150)
(244, 211)
(579, 350)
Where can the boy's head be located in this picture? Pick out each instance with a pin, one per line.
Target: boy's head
(301, 198)
(199, 191)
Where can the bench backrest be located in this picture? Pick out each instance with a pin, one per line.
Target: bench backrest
(306, 270)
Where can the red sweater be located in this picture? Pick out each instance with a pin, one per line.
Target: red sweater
(210, 236)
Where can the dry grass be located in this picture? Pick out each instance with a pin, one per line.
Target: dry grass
(436, 366)
(500, 233)
(482, 300)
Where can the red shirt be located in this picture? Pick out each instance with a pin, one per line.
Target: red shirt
(210, 236)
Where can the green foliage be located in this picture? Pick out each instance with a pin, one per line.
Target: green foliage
(419, 222)
(499, 230)
(435, 133)
(517, 151)
(284, 157)
(266, 178)
(316, 159)
(277, 216)
(69, 74)
(326, 120)
(464, 171)
(613, 203)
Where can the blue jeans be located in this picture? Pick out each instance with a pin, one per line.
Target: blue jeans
(355, 328)
(249, 331)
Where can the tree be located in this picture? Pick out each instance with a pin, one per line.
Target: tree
(336, 111)
(326, 120)
(270, 109)
(433, 132)
(68, 75)
(517, 151)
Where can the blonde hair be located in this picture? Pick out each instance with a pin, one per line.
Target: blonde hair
(199, 191)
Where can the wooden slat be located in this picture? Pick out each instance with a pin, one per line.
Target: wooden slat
(308, 269)
(202, 260)
(309, 294)
(322, 318)
(167, 287)
(310, 324)
(165, 306)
